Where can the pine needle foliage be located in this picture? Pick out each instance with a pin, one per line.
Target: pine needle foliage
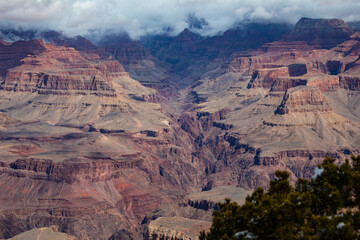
(325, 207)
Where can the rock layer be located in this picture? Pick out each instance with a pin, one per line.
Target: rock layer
(78, 143)
(43, 234)
(86, 147)
(176, 228)
(290, 105)
(303, 99)
(322, 33)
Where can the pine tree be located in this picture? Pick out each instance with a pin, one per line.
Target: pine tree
(324, 207)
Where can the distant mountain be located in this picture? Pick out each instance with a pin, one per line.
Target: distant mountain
(321, 33)
(187, 49)
(48, 36)
(354, 25)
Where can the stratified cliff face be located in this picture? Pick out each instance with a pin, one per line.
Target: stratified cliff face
(12, 54)
(43, 234)
(287, 104)
(62, 71)
(303, 99)
(176, 228)
(85, 147)
(191, 55)
(321, 33)
(138, 61)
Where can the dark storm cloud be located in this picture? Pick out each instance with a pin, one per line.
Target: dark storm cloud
(139, 17)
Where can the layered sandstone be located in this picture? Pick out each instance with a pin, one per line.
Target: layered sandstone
(350, 82)
(125, 50)
(43, 234)
(191, 55)
(207, 200)
(321, 33)
(289, 106)
(13, 53)
(266, 77)
(303, 99)
(87, 148)
(325, 83)
(176, 228)
(78, 143)
(63, 72)
(282, 84)
(73, 73)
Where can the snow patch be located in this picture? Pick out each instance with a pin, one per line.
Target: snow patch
(247, 234)
(318, 171)
(340, 225)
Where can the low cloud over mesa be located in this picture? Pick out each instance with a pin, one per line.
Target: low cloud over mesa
(139, 17)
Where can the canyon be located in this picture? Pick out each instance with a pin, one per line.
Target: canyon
(128, 139)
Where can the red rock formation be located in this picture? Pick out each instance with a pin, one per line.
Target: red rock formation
(62, 71)
(266, 77)
(350, 82)
(321, 33)
(94, 161)
(83, 146)
(297, 70)
(12, 54)
(283, 84)
(176, 228)
(294, 47)
(125, 50)
(325, 83)
(268, 130)
(79, 43)
(2, 42)
(303, 99)
(44, 233)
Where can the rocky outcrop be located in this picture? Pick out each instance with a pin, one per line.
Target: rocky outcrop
(325, 83)
(121, 235)
(320, 33)
(86, 147)
(62, 71)
(185, 42)
(138, 62)
(207, 200)
(275, 160)
(12, 54)
(297, 69)
(78, 42)
(350, 82)
(2, 42)
(43, 234)
(176, 228)
(90, 170)
(335, 67)
(266, 77)
(286, 108)
(293, 48)
(187, 49)
(303, 99)
(90, 188)
(76, 171)
(125, 50)
(283, 84)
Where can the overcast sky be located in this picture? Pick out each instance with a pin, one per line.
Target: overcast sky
(138, 17)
